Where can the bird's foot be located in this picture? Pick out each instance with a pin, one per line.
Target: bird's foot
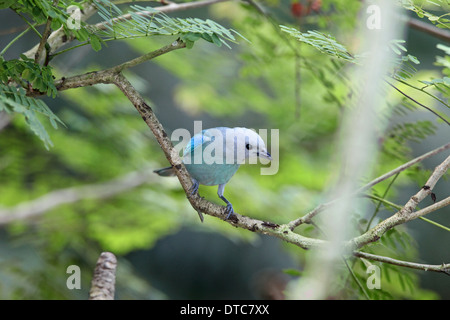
(194, 187)
(229, 210)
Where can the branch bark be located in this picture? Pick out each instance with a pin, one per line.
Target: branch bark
(445, 268)
(104, 279)
(407, 213)
(308, 217)
(45, 36)
(429, 28)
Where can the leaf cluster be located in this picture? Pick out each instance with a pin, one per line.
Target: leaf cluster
(147, 21)
(13, 99)
(16, 77)
(326, 44)
(423, 10)
(39, 11)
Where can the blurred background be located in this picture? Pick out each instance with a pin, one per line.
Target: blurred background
(163, 250)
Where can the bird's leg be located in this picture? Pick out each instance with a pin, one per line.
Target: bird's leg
(229, 209)
(194, 187)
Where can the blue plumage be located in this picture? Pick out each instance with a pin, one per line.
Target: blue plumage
(214, 155)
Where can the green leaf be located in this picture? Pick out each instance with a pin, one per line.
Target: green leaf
(95, 42)
(146, 21)
(6, 3)
(324, 43)
(189, 44)
(292, 272)
(15, 100)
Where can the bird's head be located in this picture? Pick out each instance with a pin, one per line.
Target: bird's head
(249, 145)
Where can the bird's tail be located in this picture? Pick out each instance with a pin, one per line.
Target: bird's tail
(165, 172)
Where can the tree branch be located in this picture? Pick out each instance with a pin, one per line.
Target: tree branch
(104, 279)
(407, 213)
(56, 198)
(445, 268)
(45, 36)
(429, 28)
(107, 76)
(420, 104)
(308, 217)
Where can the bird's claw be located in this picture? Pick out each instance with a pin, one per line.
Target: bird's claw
(229, 209)
(194, 187)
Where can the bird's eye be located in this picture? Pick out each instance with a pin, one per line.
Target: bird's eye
(248, 146)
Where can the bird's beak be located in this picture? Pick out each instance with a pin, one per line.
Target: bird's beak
(264, 154)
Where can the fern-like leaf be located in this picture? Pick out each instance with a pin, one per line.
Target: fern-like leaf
(147, 21)
(322, 42)
(14, 99)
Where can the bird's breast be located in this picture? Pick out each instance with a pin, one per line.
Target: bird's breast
(212, 174)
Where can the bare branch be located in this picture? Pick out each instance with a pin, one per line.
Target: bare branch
(445, 268)
(407, 213)
(45, 36)
(429, 28)
(56, 198)
(107, 76)
(104, 280)
(403, 167)
(420, 104)
(307, 218)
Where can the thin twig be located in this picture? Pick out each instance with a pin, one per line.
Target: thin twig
(407, 213)
(445, 268)
(429, 28)
(45, 36)
(307, 218)
(379, 203)
(53, 199)
(398, 207)
(420, 104)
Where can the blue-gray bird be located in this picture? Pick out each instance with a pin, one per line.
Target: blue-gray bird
(214, 155)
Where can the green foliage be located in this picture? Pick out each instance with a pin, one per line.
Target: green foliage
(14, 99)
(326, 44)
(441, 84)
(147, 21)
(39, 11)
(26, 72)
(269, 82)
(423, 10)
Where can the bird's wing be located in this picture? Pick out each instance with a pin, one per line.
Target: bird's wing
(199, 139)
